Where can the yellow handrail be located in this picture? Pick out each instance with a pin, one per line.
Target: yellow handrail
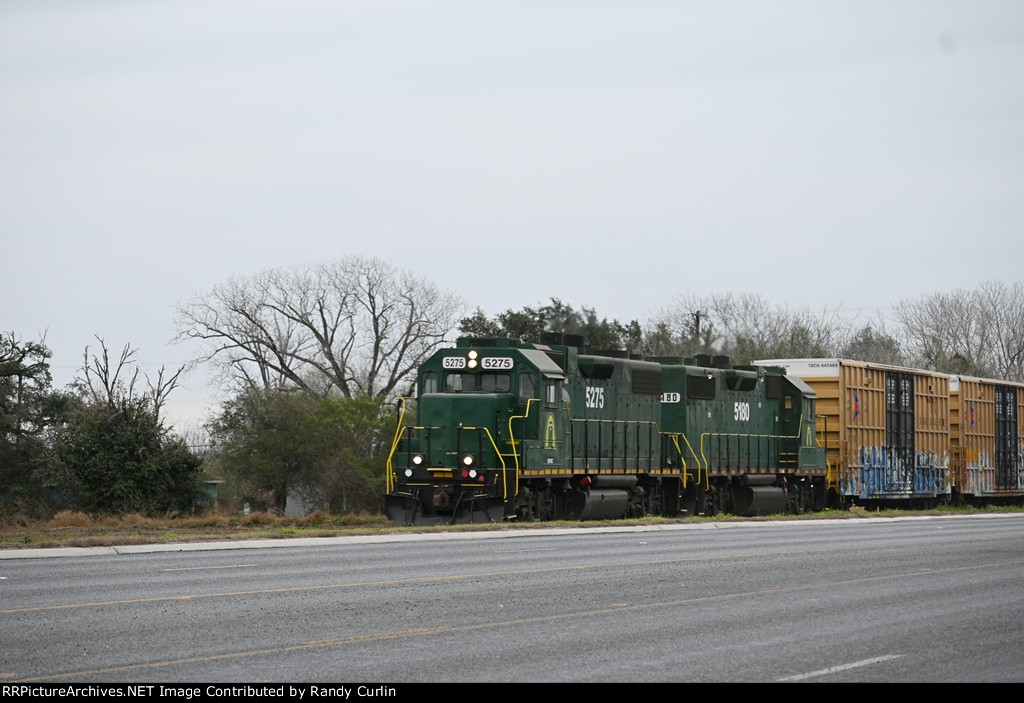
(512, 435)
(389, 474)
(705, 435)
(497, 452)
(686, 440)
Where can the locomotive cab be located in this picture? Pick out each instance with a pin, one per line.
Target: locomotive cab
(479, 408)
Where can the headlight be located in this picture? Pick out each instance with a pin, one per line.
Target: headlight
(468, 460)
(417, 459)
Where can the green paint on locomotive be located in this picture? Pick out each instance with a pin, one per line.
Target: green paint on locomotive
(512, 429)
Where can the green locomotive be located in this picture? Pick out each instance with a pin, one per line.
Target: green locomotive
(546, 431)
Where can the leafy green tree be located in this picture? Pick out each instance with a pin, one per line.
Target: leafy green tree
(479, 325)
(28, 406)
(259, 445)
(349, 439)
(125, 461)
(330, 451)
(111, 451)
(529, 323)
(526, 324)
(874, 344)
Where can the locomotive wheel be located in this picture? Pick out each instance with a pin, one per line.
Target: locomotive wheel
(655, 500)
(544, 505)
(524, 505)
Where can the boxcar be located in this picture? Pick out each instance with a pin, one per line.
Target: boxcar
(985, 433)
(886, 429)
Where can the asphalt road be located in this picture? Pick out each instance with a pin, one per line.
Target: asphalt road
(920, 599)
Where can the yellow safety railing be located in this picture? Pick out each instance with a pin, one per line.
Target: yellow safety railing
(390, 480)
(675, 441)
(501, 458)
(512, 435)
(707, 435)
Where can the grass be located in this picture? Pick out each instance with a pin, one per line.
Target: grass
(73, 529)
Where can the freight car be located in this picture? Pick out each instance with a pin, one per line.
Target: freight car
(900, 437)
(886, 429)
(506, 429)
(987, 449)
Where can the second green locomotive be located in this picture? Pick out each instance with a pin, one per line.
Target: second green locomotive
(546, 431)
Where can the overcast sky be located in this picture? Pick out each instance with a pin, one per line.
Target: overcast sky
(612, 154)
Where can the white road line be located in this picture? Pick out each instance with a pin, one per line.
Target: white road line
(834, 669)
(205, 568)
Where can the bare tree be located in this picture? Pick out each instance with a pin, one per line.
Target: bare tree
(978, 332)
(351, 326)
(745, 326)
(103, 382)
(1004, 304)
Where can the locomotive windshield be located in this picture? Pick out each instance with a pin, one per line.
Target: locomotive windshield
(480, 383)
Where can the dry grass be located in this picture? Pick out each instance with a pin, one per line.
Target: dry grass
(73, 529)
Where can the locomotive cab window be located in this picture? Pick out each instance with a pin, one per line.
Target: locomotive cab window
(788, 407)
(429, 383)
(527, 388)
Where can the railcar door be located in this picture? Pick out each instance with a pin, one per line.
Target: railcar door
(899, 424)
(1006, 438)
